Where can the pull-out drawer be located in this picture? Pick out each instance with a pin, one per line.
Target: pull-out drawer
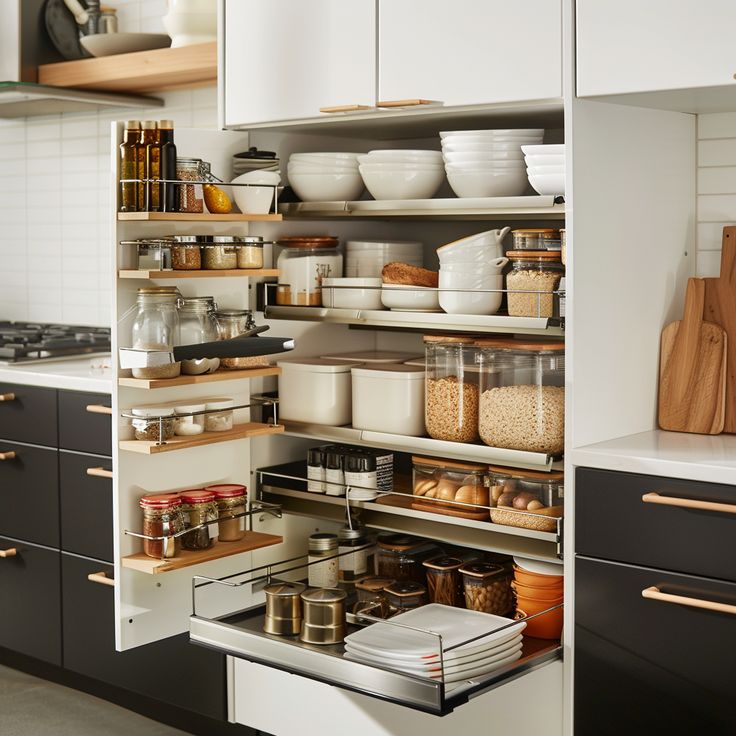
(28, 414)
(85, 500)
(85, 422)
(30, 600)
(29, 495)
(654, 664)
(678, 525)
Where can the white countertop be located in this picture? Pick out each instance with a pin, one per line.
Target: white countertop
(709, 458)
(74, 375)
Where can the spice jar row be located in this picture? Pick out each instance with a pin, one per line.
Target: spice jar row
(160, 423)
(199, 252)
(176, 521)
(336, 469)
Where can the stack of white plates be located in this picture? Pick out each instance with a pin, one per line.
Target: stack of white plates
(402, 174)
(487, 163)
(325, 177)
(418, 653)
(545, 166)
(366, 258)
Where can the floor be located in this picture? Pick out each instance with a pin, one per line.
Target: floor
(33, 707)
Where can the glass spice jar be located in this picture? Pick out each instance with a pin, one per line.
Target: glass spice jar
(198, 507)
(400, 556)
(219, 417)
(323, 561)
(372, 598)
(231, 503)
(191, 198)
(233, 323)
(153, 423)
(221, 254)
(162, 517)
(357, 554)
(488, 588)
(405, 596)
(186, 252)
(535, 276)
(444, 581)
(188, 421)
(250, 252)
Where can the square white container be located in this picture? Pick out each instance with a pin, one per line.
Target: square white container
(389, 398)
(374, 356)
(315, 390)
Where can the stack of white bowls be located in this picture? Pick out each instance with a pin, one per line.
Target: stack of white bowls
(545, 166)
(366, 258)
(325, 177)
(471, 269)
(402, 174)
(487, 163)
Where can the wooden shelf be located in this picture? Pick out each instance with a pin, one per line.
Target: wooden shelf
(238, 432)
(194, 217)
(222, 375)
(142, 71)
(210, 274)
(187, 558)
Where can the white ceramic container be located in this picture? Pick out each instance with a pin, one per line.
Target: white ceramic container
(374, 357)
(410, 298)
(352, 293)
(326, 187)
(488, 183)
(411, 184)
(470, 297)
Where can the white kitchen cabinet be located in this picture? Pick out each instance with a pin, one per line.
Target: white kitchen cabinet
(626, 46)
(469, 52)
(285, 60)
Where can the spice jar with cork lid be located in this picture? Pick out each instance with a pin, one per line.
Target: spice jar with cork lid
(231, 503)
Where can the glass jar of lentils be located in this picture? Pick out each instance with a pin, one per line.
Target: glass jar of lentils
(191, 198)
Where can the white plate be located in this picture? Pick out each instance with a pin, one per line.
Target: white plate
(538, 567)
(110, 44)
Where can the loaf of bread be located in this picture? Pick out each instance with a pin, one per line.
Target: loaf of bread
(407, 275)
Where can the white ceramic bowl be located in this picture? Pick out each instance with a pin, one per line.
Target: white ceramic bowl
(455, 157)
(383, 161)
(492, 133)
(326, 187)
(488, 243)
(488, 184)
(410, 298)
(484, 266)
(480, 147)
(410, 184)
(548, 183)
(469, 299)
(522, 140)
(189, 28)
(545, 170)
(272, 178)
(321, 169)
(344, 156)
(352, 293)
(485, 166)
(539, 160)
(254, 200)
(405, 154)
(549, 149)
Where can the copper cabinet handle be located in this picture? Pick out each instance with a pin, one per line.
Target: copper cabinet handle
(689, 503)
(99, 409)
(655, 594)
(10, 552)
(10, 455)
(8, 397)
(101, 578)
(99, 472)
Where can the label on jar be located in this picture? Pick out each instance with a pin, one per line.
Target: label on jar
(316, 475)
(335, 485)
(354, 565)
(323, 574)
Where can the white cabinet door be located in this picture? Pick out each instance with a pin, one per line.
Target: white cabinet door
(467, 52)
(284, 59)
(633, 46)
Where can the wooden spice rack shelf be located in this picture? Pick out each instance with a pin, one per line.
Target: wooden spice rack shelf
(208, 274)
(186, 558)
(194, 217)
(141, 71)
(222, 375)
(238, 432)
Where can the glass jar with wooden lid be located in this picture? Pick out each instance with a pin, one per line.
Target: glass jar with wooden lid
(444, 581)
(534, 277)
(488, 588)
(450, 487)
(302, 264)
(405, 595)
(536, 238)
(400, 556)
(372, 598)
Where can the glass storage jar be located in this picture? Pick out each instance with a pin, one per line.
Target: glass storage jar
(405, 596)
(522, 401)
(323, 570)
(302, 266)
(197, 325)
(451, 392)
(191, 198)
(186, 252)
(444, 581)
(231, 504)
(536, 238)
(156, 327)
(219, 417)
(534, 276)
(153, 423)
(449, 486)
(526, 498)
(232, 323)
(488, 588)
(187, 422)
(220, 254)
(357, 554)
(400, 556)
(250, 252)
(162, 517)
(372, 598)
(198, 507)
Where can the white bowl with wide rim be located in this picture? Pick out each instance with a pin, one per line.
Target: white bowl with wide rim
(469, 292)
(481, 147)
(326, 187)
(405, 154)
(256, 199)
(486, 166)
(410, 298)
(547, 184)
(539, 160)
(327, 155)
(488, 183)
(406, 184)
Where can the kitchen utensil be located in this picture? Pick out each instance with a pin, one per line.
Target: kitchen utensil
(63, 30)
(324, 616)
(692, 370)
(283, 609)
(720, 308)
(109, 44)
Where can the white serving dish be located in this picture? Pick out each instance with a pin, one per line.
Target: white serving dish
(469, 299)
(374, 357)
(187, 28)
(449, 134)
(326, 187)
(413, 184)
(549, 149)
(410, 298)
(110, 44)
(315, 391)
(363, 293)
(459, 157)
(548, 183)
(389, 398)
(488, 184)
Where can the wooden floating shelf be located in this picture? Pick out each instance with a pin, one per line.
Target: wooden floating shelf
(194, 217)
(210, 274)
(238, 432)
(223, 375)
(187, 558)
(142, 71)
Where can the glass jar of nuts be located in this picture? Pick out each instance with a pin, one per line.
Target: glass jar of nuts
(488, 588)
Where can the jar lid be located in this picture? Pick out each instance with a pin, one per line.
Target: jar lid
(228, 239)
(189, 408)
(315, 456)
(197, 495)
(152, 411)
(160, 501)
(483, 570)
(191, 239)
(405, 588)
(550, 256)
(444, 563)
(197, 303)
(529, 231)
(149, 125)
(527, 474)
(232, 313)
(133, 124)
(359, 462)
(324, 595)
(506, 343)
(251, 239)
(374, 583)
(449, 464)
(158, 291)
(346, 533)
(285, 590)
(186, 161)
(315, 365)
(391, 372)
(322, 542)
(220, 403)
(399, 542)
(309, 241)
(452, 339)
(227, 490)
(253, 152)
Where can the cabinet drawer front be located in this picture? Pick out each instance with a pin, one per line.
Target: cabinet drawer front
(30, 601)
(651, 666)
(85, 503)
(29, 416)
(83, 430)
(29, 493)
(614, 523)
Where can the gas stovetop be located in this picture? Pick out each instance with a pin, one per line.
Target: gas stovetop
(32, 342)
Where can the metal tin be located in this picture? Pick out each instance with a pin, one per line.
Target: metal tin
(324, 616)
(283, 609)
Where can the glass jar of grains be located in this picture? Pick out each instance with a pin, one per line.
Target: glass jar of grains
(231, 505)
(191, 198)
(186, 252)
(198, 507)
(162, 517)
(153, 423)
(232, 323)
(156, 327)
(535, 276)
(250, 252)
(221, 253)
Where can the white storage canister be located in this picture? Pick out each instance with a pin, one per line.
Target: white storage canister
(389, 398)
(374, 356)
(315, 390)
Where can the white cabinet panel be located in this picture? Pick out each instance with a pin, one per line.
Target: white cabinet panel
(470, 52)
(633, 46)
(284, 59)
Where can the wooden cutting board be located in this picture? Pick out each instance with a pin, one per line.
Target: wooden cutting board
(720, 308)
(692, 370)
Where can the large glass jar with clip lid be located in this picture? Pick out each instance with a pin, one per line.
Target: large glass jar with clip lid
(156, 327)
(197, 325)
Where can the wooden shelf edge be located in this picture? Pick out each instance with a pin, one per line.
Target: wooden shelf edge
(194, 217)
(211, 274)
(187, 558)
(221, 375)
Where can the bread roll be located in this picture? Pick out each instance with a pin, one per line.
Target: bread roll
(472, 494)
(422, 486)
(402, 273)
(446, 490)
(431, 493)
(535, 505)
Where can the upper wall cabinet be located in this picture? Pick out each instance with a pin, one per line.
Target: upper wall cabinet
(285, 60)
(468, 52)
(632, 46)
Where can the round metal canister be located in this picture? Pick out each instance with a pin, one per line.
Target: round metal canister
(283, 609)
(324, 616)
